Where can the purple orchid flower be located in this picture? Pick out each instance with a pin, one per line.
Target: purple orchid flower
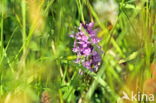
(84, 46)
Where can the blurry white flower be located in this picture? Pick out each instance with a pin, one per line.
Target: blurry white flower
(106, 10)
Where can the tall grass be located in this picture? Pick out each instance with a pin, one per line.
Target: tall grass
(37, 62)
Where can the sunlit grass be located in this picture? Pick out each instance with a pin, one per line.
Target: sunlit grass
(37, 62)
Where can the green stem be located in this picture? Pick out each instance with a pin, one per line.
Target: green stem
(80, 8)
(1, 43)
(24, 22)
(24, 29)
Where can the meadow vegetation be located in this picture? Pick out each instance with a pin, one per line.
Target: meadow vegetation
(37, 62)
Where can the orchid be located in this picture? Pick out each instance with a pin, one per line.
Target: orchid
(86, 47)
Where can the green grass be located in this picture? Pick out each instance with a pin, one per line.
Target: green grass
(36, 51)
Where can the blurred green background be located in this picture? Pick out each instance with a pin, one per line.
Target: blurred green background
(36, 58)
